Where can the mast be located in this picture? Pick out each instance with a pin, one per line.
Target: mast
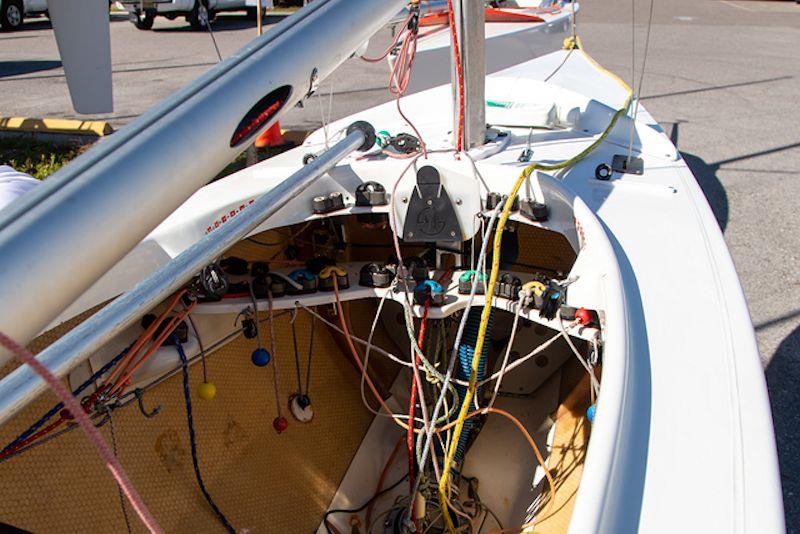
(470, 22)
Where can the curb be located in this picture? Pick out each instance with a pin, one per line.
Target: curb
(56, 130)
(62, 126)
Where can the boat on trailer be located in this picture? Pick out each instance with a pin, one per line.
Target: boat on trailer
(377, 331)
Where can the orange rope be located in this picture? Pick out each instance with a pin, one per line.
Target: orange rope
(127, 375)
(357, 357)
(147, 334)
(482, 411)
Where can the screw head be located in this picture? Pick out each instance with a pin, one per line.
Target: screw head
(404, 200)
(452, 233)
(459, 202)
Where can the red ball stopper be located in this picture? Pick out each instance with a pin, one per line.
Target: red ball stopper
(583, 316)
(280, 424)
(66, 415)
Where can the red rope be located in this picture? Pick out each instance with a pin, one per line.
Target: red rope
(76, 410)
(459, 76)
(33, 437)
(412, 405)
(400, 77)
(391, 46)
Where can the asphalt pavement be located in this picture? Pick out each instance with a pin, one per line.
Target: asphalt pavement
(722, 77)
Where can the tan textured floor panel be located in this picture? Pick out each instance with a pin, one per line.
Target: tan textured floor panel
(567, 456)
(263, 481)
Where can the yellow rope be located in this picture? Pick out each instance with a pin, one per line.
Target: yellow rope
(498, 238)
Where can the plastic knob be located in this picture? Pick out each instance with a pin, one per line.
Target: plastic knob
(206, 390)
(260, 357)
(583, 316)
(280, 424)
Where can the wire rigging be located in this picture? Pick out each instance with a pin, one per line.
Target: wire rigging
(638, 90)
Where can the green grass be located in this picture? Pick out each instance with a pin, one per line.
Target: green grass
(37, 158)
(41, 159)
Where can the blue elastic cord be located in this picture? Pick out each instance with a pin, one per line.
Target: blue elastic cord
(60, 406)
(187, 396)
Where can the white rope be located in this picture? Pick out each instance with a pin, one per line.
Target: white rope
(454, 354)
(592, 378)
(369, 347)
(520, 306)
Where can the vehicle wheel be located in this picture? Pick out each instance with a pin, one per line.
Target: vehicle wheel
(11, 14)
(200, 15)
(143, 21)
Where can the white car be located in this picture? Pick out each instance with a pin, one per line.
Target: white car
(197, 12)
(13, 12)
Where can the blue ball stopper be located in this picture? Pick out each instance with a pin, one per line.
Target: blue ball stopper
(590, 413)
(260, 357)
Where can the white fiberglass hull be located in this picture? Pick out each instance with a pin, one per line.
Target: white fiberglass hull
(682, 414)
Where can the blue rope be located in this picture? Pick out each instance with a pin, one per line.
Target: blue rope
(187, 396)
(58, 407)
(465, 352)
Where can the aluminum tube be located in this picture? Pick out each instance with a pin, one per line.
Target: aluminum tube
(23, 385)
(56, 241)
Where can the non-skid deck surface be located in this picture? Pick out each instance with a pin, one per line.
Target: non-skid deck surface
(263, 482)
(568, 453)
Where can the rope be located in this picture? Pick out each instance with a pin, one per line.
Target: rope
(415, 384)
(202, 348)
(310, 354)
(22, 440)
(296, 358)
(187, 397)
(454, 356)
(82, 418)
(114, 450)
(275, 379)
(459, 75)
(484, 322)
(503, 368)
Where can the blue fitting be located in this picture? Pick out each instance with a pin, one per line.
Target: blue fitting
(432, 286)
(590, 412)
(298, 275)
(466, 350)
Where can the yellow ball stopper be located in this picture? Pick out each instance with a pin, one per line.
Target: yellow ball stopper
(206, 391)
